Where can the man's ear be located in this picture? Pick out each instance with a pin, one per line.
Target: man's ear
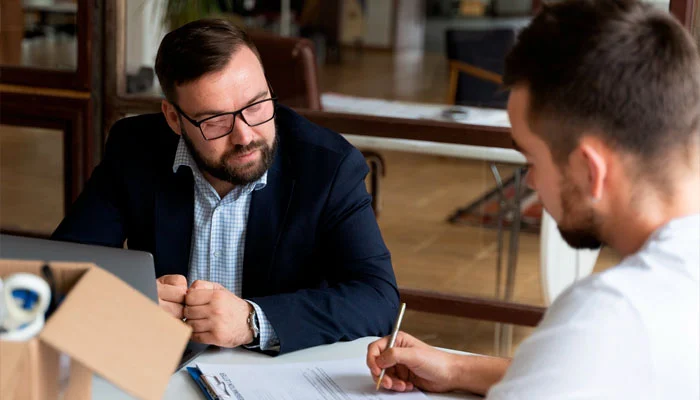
(171, 116)
(595, 163)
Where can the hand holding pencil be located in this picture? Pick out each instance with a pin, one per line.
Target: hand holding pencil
(401, 362)
(392, 340)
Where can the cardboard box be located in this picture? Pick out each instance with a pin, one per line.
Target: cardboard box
(105, 326)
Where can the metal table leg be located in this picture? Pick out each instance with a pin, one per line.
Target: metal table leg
(502, 206)
(514, 238)
(504, 333)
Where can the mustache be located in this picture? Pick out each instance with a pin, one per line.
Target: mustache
(240, 149)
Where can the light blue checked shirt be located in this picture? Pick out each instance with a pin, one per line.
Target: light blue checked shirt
(218, 237)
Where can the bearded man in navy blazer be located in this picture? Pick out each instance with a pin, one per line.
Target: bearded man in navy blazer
(258, 220)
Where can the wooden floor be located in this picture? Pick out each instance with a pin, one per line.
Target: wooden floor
(419, 193)
(408, 76)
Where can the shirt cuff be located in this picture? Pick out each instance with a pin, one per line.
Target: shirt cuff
(267, 335)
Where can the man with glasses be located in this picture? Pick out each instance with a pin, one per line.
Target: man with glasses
(259, 222)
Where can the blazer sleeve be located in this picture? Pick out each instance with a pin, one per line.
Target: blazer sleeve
(361, 298)
(96, 216)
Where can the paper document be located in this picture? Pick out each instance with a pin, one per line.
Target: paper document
(325, 380)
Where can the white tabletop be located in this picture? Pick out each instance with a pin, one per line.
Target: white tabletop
(337, 102)
(183, 387)
(439, 112)
(497, 154)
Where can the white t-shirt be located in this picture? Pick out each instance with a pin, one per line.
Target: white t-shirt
(631, 332)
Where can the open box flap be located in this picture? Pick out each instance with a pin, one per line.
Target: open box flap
(12, 354)
(118, 333)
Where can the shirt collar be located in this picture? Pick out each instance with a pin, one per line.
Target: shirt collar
(183, 158)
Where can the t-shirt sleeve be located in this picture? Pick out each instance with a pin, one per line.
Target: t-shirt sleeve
(591, 344)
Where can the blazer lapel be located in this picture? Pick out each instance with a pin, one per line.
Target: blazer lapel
(174, 215)
(266, 218)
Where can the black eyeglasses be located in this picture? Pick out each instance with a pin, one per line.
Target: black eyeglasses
(220, 125)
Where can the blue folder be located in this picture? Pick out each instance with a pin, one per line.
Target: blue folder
(196, 374)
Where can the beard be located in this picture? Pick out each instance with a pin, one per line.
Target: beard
(579, 226)
(237, 175)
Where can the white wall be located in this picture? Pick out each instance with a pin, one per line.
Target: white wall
(352, 22)
(144, 31)
(662, 4)
(378, 23)
(410, 28)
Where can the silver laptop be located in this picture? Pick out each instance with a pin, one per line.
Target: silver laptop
(133, 267)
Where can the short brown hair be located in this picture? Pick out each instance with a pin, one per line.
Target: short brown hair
(196, 49)
(618, 68)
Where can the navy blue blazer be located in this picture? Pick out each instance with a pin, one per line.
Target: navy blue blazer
(314, 261)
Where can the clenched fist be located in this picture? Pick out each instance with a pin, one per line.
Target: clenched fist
(217, 316)
(171, 294)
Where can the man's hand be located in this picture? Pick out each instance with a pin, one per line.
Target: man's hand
(217, 316)
(411, 363)
(171, 294)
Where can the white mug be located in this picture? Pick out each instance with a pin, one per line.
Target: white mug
(16, 322)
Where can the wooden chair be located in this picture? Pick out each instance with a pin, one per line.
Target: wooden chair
(477, 65)
(457, 67)
(290, 66)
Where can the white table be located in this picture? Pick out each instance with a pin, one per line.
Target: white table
(402, 109)
(337, 102)
(182, 387)
(497, 154)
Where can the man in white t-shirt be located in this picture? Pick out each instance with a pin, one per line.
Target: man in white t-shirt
(605, 106)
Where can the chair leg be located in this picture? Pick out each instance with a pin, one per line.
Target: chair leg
(454, 80)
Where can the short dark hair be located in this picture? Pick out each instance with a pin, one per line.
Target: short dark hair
(619, 68)
(196, 49)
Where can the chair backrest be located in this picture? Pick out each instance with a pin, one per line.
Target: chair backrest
(290, 66)
(485, 49)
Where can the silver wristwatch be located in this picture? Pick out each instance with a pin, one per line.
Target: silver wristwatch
(253, 324)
